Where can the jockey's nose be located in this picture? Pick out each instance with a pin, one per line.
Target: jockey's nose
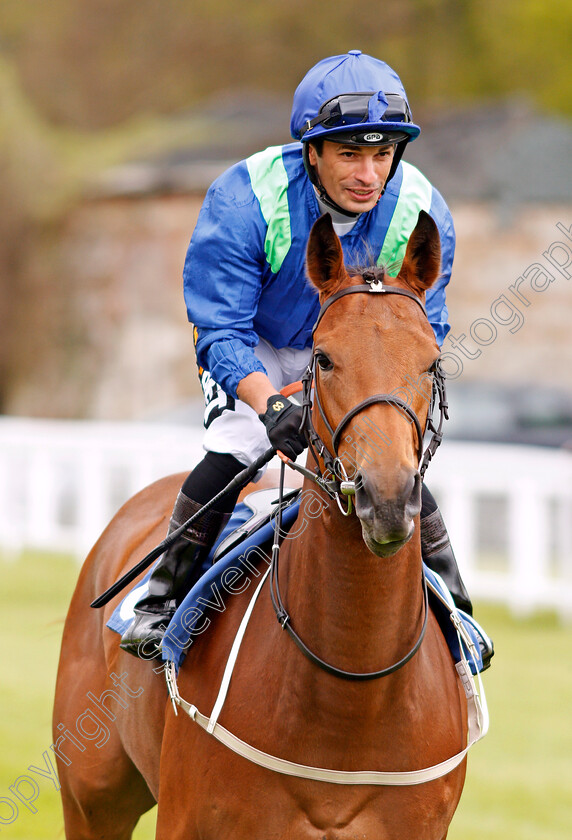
(366, 171)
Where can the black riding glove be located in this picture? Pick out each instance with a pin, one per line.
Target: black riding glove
(282, 420)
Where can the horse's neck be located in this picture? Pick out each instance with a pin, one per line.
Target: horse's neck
(357, 611)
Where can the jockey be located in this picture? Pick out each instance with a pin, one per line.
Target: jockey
(253, 310)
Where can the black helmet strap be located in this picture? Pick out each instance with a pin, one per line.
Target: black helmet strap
(314, 179)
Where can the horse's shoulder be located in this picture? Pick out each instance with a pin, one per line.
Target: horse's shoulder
(271, 478)
(151, 504)
(139, 525)
(162, 492)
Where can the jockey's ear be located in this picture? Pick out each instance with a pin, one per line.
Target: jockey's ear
(422, 262)
(325, 258)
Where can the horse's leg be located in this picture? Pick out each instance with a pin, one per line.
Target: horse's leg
(105, 800)
(103, 793)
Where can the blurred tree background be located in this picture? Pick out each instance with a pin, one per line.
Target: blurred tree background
(84, 85)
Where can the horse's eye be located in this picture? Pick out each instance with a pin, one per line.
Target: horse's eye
(323, 361)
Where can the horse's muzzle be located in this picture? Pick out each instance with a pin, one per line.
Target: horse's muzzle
(387, 523)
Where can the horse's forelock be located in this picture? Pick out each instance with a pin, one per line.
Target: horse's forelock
(368, 273)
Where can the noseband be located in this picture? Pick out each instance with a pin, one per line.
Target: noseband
(333, 465)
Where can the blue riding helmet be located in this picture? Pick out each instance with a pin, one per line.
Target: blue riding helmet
(351, 90)
(355, 99)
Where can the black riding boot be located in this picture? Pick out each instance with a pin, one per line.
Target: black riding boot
(438, 554)
(177, 570)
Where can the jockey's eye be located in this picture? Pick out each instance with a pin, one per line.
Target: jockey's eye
(323, 361)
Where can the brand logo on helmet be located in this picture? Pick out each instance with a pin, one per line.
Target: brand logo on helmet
(373, 137)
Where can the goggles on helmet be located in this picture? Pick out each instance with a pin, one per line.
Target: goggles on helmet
(349, 109)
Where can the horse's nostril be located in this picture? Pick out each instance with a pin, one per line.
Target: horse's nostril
(414, 502)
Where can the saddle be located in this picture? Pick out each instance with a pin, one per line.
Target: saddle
(249, 531)
(240, 556)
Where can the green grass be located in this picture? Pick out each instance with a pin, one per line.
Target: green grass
(519, 781)
(34, 596)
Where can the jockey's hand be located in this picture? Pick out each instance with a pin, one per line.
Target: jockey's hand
(282, 420)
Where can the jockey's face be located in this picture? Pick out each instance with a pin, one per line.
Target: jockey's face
(353, 176)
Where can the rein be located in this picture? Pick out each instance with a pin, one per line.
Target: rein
(333, 465)
(286, 624)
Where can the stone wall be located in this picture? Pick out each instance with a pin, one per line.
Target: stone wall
(508, 296)
(123, 346)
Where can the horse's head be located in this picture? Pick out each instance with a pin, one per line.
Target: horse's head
(373, 355)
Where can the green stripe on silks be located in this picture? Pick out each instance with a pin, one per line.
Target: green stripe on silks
(415, 195)
(270, 185)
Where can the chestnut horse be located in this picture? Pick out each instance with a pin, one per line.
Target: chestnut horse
(354, 591)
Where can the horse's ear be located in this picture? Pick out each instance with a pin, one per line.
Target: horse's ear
(325, 258)
(422, 261)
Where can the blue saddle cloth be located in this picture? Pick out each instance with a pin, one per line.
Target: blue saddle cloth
(248, 555)
(235, 572)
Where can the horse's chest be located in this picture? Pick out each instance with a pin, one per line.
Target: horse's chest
(374, 814)
(277, 808)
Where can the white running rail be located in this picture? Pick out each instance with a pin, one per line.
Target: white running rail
(508, 508)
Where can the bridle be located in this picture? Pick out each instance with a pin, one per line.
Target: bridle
(332, 462)
(335, 485)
